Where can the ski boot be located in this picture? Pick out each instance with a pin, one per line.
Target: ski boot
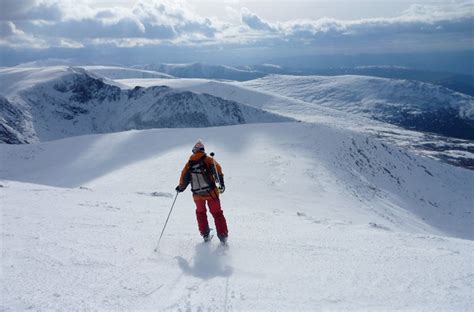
(207, 236)
(223, 239)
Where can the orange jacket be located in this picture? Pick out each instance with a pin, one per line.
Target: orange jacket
(209, 163)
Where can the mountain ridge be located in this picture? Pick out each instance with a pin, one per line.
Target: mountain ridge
(73, 102)
(410, 104)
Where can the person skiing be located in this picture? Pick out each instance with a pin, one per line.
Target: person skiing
(202, 172)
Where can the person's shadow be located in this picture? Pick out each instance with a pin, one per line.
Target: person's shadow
(207, 262)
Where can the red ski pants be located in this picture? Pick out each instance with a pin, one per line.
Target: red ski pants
(216, 211)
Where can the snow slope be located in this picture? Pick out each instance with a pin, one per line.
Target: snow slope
(13, 80)
(320, 217)
(57, 102)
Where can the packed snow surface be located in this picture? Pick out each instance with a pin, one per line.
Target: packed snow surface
(320, 217)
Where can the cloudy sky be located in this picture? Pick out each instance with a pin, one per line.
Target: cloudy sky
(244, 28)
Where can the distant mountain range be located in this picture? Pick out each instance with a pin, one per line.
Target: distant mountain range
(199, 70)
(456, 82)
(31, 95)
(462, 83)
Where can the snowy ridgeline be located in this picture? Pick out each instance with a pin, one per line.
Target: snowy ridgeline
(409, 104)
(456, 82)
(72, 101)
(320, 217)
(41, 104)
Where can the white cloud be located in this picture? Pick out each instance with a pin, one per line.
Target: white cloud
(7, 29)
(417, 20)
(11, 36)
(253, 21)
(174, 15)
(154, 20)
(232, 14)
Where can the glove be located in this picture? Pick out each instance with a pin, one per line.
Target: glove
(222, 186)
(180, 189)
(221, 189)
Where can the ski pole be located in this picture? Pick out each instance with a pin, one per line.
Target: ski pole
(166, 222)
(215, 169)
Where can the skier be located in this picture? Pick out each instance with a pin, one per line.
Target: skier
(202, 172)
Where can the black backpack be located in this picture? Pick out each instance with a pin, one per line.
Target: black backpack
(201, 181)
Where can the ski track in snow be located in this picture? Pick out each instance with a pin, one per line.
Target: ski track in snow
(313, 225)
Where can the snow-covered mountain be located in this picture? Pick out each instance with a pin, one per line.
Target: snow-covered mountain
(462, 83)
(269, 69)
(111, 72)
(200, 70)
(457, 82)
(14, 123)
(410, 104)
(57, 102)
